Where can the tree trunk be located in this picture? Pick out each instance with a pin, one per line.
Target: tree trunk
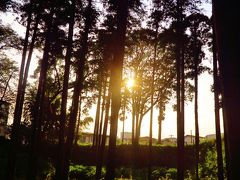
(138, 112)
(123, 119)
(60, 159)
(100, 154)
(180, 93)
(102, 111)
(116, 79)
(6, 86)
(78, 122)
(217, 117)
(227, 38)
(17, 118)
(160, 122)
(137, 124)
(97, 116)
(196, 119)
(133, 122)
(39, 103)
(151, 111)
(196, 60)
(76, 92)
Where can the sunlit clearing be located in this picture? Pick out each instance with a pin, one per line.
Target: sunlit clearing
(130, 83)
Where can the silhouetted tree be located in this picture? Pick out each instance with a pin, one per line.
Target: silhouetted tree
(116, 78)
(39, 103)
(217, 116)
(63, 116)
(89, 22)
(227, 37)
(17, 111)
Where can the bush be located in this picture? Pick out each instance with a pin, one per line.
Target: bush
(81, 172)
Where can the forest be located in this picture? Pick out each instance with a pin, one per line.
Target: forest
(124, 59)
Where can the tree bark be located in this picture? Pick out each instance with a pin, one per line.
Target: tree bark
(196, 60)
(151, 111)
(78, 122)
(76, 92)
(217, 117)
(17, 118)
(102, 113)
(116, 79)
(100, 154)
(160, 118)
(180, 93)
(39, 103)
(227, 38)
(60, 159)
(133, 122)
(97, 116)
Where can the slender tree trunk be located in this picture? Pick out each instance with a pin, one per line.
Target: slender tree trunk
(139, 128)
(160, 123)
(76, 93)
(102, 111)
(103, 141)
(217, 117)
(63, 116)
(151, 111)
(39, 103)
(196, 100)
(138, 112)
(26, 71)
(180, 120)
(227, 38)
(137, 124)
(225, 143)
(220, 88)
(78, 122)
(133, 122)
(17, 118)
(6, 86)
(97, 117)
(123, 120)
(71, 127)
(196, 119)
(116, 79)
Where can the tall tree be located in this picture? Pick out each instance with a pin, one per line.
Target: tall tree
(227, 38)
(78, 86)
(216, 111)
(180, 121)
(98, 111)
(103, 139)
(17, 115)
(152, 95)
(199, 28)
(65, 91)
(39, 103)
(116, 79)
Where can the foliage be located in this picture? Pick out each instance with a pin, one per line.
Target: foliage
(208, 168)
(81, 172)
(9, 38)
(8, 80)
(85, 123)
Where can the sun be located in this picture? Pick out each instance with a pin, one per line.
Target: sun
(130, 83)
